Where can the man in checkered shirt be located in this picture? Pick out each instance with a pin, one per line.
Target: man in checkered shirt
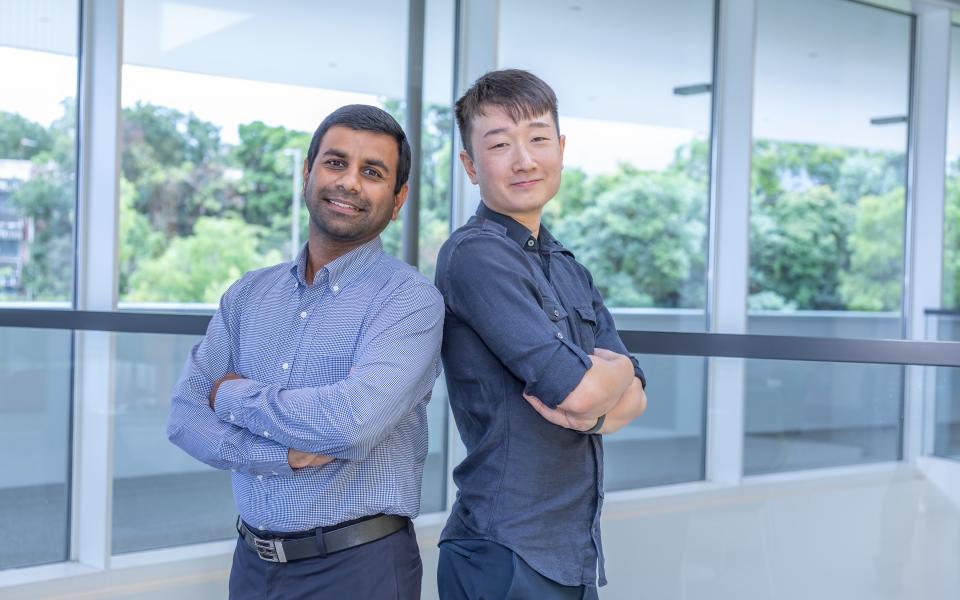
(312, 382)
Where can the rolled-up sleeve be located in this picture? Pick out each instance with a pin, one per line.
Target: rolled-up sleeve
(489, 284)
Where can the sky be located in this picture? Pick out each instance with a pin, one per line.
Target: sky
(595, 146)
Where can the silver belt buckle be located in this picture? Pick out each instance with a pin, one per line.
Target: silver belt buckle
(270, 550)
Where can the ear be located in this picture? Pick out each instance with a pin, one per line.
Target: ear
(306, 175)
(398, 201)
(468, 166)
(563, 144)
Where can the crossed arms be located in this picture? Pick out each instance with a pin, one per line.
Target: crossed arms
(260, 428)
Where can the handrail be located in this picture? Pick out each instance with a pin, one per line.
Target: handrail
(772, 347)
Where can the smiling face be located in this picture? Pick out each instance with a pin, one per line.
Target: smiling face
(349, 191)
(517, 164)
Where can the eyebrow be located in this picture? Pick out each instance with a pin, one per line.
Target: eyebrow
(534, 124)
(369, 161)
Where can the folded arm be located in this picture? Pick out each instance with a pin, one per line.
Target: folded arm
(395, 368)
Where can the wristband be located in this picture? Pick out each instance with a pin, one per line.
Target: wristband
(596, 428)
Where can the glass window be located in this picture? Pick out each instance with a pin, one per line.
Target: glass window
(634, 197)
(829, 168)
(38, 67)
(36, 379)
(805, 415)
(826, 228)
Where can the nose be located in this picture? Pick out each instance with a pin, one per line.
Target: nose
(349, 182)
(523, 159)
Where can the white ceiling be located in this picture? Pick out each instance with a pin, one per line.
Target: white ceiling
(823, 67)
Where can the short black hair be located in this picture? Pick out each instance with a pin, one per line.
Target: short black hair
(519, 93)
(362, 117)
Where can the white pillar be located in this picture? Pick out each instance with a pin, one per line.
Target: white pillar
(97, 266)
(730, 213)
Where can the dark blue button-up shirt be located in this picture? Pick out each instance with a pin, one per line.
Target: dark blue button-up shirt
(522, 315)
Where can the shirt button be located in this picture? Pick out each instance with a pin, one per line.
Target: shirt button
(286, 366)
(556, 313)
(303, 315)
(266, 434)
(336, 289)
(259, 478)
(559, 336)
(232, 418)
(530, 243)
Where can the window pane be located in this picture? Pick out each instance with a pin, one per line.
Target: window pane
(215, 129)
(633, 200)
(951, 229)
(38, 67)
(35, 376)
(151, 475)
(805, 415)
(829, 164)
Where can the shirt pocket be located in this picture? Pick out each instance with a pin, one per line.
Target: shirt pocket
(587, 324)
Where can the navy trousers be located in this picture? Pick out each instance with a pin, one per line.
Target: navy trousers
(478, 569)
(387, 569)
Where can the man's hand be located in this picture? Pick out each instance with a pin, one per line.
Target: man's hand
(300, 460)
(560, 416)
(216, 386)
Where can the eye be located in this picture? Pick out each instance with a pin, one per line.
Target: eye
(334, 163)
(540, 139)
(371, 172)
(500, 145)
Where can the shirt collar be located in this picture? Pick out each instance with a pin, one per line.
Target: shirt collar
(341, 271)
(519, 233)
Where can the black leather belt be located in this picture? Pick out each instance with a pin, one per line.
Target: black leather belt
(322, 542)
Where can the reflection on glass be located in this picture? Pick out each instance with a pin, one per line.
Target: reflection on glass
(35, 376)
(829, 168)
(805, 415)
(212, 128)
(38, 68)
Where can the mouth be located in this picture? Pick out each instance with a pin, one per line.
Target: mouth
(529, 183)
(342, 206)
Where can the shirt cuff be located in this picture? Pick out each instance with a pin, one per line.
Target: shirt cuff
(229, 403)
(269, 459)
(563, 373)
(638, 372)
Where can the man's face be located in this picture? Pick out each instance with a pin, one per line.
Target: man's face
(516, 165)
(349, 190)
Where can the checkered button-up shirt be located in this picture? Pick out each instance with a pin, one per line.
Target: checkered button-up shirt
(342, 367)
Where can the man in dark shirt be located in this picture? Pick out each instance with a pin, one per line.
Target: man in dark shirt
(535, 369)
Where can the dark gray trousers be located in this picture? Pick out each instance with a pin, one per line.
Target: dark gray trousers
(387, 569)
(482, 570)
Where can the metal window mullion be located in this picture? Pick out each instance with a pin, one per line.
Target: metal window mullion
(97, 252)
(416, 29)
(923, 239)
(476, 44)
(729, 214)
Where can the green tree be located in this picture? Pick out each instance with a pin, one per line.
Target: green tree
(873, 281)
(951, 231)
(199, 267)
(21, 138)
